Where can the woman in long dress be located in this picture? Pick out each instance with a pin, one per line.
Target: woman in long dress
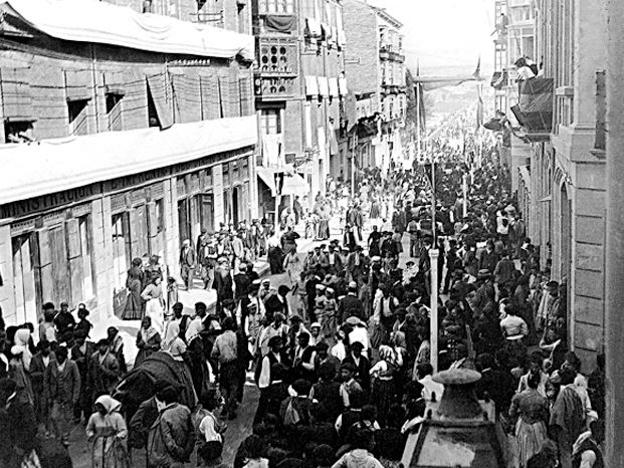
(155, 303)
(531, 410)
(108, 432)
(148, 341)
(134, 285)
(293, 266)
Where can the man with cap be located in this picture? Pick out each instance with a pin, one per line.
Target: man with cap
(334, 260)
(188, 262)
(64, 321)
(81, 354)
(304, 357)
(278, 302)
(242, 282)
(269, 376)
(349, 384)
(145, 416)
(294, 331)
(276, 328)
(355, 264)
(351, 305)
(357, 356)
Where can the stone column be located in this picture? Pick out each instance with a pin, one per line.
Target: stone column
(614, 326)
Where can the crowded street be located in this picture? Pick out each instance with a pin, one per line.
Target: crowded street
(311, 234)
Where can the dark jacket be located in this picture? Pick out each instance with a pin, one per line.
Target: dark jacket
(62, 386)
(141, 421)
(362, 370)
(350, 306)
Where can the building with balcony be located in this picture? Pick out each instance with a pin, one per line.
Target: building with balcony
(514, 38)
(124, 133)
(375, 69)
(299, 92)
(565, 181)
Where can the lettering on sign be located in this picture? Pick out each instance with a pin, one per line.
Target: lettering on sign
(46, 202)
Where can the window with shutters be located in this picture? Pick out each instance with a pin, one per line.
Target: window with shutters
(113, 110)
(246, 105)
(156, 227)
(270, 121)
(24, 289)
(86, 254)
(121, 249)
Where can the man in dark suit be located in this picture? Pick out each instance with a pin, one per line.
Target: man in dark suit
(361, 363)
(188, 260)
(351, 305)
(277, 302)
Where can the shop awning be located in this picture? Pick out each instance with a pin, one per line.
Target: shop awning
(50, 166)
(104, 23)
(294, 184)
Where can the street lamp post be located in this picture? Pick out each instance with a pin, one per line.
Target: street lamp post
(433, 340)
(433, 271)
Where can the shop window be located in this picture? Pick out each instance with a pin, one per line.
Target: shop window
(121, 249)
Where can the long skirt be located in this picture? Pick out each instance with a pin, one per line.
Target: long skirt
(530, 438)
(384, 395)
(276, 260)
(154, 310)
(134, 304)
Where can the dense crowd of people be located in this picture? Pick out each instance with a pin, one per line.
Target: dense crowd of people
(339, 350)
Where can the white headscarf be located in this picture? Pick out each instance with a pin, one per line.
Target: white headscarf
(22, 338)
(109, 403)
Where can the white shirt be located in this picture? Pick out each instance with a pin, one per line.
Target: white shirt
(208, 430)
(265, 373)
(360, 334)
(339, 351)
(514, 326)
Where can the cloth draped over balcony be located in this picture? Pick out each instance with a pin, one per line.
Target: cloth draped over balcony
(162, 99)
(294, 184)
(272, 150)
(54, 165)
(280, 23)
(312, 87)
(313, 27)
(342, 85)
(323, 85)
(333, 87)
(499, 79)
(534, 110)
(104, 23)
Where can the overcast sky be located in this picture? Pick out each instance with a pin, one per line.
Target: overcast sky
(445, 33)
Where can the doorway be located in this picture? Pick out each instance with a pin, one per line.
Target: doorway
(235, 206)
(24, 252)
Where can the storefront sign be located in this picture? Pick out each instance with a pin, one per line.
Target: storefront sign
(47, 202)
